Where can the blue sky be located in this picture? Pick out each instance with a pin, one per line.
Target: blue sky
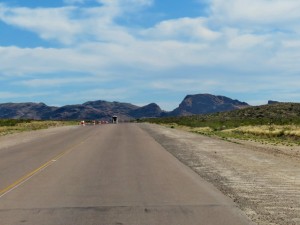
(141, 51)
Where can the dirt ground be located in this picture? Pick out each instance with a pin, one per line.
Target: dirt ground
(263, 180)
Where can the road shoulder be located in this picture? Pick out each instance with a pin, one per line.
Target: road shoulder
(265, 186)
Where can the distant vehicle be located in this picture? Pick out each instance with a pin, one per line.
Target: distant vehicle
(115, 119)
(82, 123)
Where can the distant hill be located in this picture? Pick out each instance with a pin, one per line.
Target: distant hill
(75, 112)
(151, 110)
(206, 103)
(277, 113)
(93, 110)
(24, 110)
(103, 110)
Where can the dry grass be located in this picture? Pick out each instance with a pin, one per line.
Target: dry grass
(286, 135)
(31, 125)
(270, 131)
(277, 124)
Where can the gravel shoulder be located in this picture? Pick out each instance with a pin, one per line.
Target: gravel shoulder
(263, 180)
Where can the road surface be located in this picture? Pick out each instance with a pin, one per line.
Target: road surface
(110, 174)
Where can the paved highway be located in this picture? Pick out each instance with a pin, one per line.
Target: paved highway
(110, 174)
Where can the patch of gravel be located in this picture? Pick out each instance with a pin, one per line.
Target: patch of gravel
(266, 186)
(292, 151)
(24, 137)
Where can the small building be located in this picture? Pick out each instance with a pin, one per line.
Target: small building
(114, 119)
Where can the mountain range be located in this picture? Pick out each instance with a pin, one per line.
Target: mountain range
(103, 110)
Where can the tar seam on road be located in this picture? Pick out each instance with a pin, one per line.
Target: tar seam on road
(28, 176)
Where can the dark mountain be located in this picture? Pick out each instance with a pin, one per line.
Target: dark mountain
(103, 110)
(93, 110)
(112, 107)
(27, 110)
(151, 110)
(206, 103)
(274, 114)
(74, 112)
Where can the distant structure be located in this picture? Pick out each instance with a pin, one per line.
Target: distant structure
(115, 119)
(270, 102)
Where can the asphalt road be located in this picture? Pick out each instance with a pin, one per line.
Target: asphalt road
(110, 174)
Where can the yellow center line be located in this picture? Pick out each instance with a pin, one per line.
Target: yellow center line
(36, 171)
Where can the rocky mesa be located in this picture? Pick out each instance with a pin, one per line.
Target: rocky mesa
(206, 103)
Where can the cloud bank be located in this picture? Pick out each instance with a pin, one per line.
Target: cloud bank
(232, 49)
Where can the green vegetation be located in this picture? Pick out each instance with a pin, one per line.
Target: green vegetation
(276, 124)
(12, 122)
(9, 126)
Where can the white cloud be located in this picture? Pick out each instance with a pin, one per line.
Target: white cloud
(98, 58)
(200, 84)
(181, 85)
(70, 25)
(46, 60)
(256, 12)
(48, 23)
(182, 29)
(56, 82)
(10, 95)
(246, 41)
(4, 95)
(241, 40)
(111, 94)
(126, 4)
(291, 44)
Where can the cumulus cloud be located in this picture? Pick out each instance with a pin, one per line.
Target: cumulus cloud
(94, 58)
(126, 4)
(98, 42)
(49, 60)
(71, 24)
(80, 96)
(49, 23)
(246, 41)
(256, 12)
(9, 95)
(237, 39)
(55, 82)
(182, 29)
(181, 85)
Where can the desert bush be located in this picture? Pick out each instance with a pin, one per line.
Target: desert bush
(13, 122)
(15, 126)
